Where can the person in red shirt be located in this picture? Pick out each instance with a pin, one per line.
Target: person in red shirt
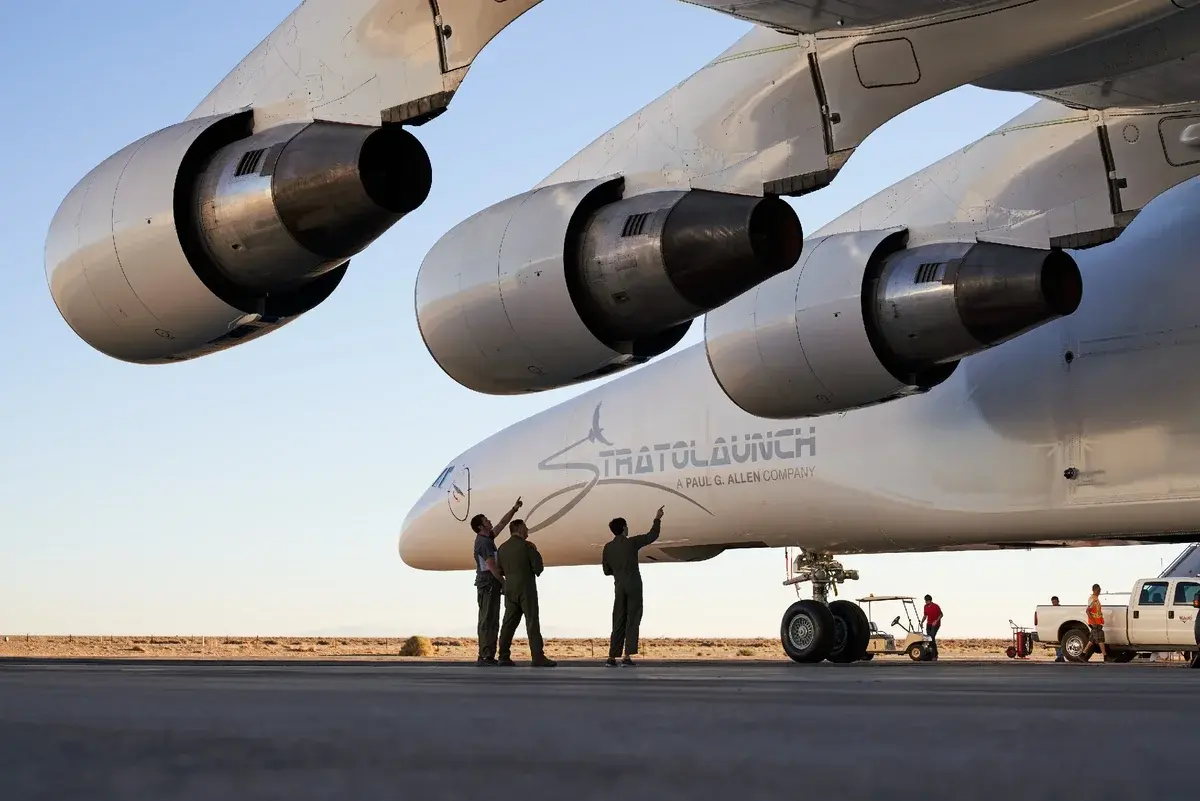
(931, 618)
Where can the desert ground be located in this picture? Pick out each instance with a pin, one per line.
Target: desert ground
(420, 647)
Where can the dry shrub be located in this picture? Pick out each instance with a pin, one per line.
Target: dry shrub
(417, 646)
(745, 652)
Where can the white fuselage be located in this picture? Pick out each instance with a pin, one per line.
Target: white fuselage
(978, 460)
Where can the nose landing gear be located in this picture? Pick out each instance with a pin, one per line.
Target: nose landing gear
(816, 629)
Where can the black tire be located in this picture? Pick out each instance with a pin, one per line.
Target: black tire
(1121, 657)
(1074, 639)
(807, 631)
(868, 656)
(917, 652)
(852, 632)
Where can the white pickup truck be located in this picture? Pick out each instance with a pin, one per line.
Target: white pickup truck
(1161, 618)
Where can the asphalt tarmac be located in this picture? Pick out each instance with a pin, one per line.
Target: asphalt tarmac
(885, 729)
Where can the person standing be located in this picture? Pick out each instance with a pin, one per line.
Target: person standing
(1195, 663)
(521, 564)
(488, 583)
(1095, 620)
(1058, 654)
(931, 618)
(620, 560)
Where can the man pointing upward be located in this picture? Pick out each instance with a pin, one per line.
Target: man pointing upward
(488, 582)
(620, 560)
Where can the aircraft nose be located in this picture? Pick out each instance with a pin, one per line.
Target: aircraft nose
(418, 533)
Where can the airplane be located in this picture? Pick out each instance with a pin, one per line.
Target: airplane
(991, 353)
(1077, 430)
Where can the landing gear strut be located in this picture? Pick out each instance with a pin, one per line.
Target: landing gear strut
(817, 629)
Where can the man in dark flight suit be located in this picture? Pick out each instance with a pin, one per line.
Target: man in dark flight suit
(488, 583)
(620, 560)
(521, 564)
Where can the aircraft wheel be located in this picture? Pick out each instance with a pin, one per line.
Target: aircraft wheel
(807, 631)
(852, 632)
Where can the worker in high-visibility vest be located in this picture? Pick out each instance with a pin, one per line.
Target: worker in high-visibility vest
(1095, 620)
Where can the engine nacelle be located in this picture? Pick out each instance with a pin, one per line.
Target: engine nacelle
(204, 234)
(572, 281)
(864, 320)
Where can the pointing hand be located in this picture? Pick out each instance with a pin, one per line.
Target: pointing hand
(660, 514)
(517, 505)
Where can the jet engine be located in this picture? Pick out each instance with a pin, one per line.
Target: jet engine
(572, 281)
(206, 234)
(865, 319)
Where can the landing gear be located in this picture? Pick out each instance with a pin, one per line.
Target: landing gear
(815, 630)
(852, 632)
(807, 631)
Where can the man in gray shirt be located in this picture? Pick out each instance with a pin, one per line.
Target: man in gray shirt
(488, 582)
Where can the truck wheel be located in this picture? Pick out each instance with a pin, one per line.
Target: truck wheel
(852, 632)
(807, 631)
(1074, 642)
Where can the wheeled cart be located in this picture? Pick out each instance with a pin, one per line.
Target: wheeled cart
(1022, 644)
(916, 645)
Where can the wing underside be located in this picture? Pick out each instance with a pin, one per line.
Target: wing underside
(810, 16)
(1154, 65)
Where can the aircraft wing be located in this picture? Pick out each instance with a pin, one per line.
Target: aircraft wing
(811, 16)
(1146, 67)
(1149, 538)
(362, 61)
(1168, 84)
(372, 61)
(145, 275)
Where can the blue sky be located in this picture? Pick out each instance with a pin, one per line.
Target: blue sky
(261, 490)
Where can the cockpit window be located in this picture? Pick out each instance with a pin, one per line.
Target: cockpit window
(443, 476)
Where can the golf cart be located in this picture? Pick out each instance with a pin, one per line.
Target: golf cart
(915, 644)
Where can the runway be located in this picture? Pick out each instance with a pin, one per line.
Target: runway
(896, 729)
